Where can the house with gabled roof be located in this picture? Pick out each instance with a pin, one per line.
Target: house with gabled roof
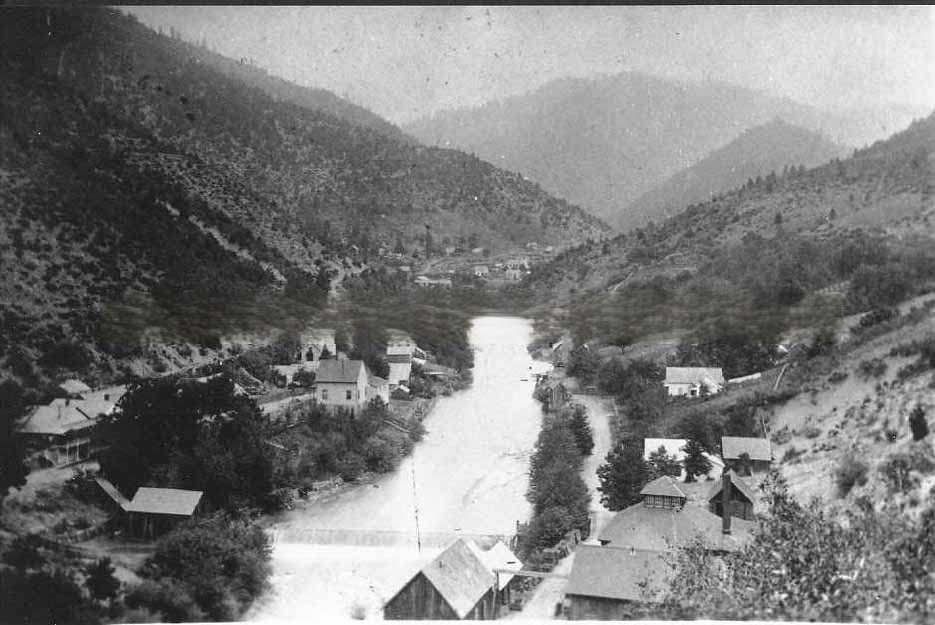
(348, 384)
(746, 455)
(675, 447)
(155, 511)
(605, 583)
(693, 381)
(62, 431)
(456, 585)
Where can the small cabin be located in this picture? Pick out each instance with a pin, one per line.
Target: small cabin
(662, 492)
(746, 455)
(156, 511)
(741, 497)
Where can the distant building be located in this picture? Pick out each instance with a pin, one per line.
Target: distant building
(746, 455)
(456, 585)
(155, 511)
(514, 274)
(74, 388)
(449, 250)
(348, 384)
(532, 245)
(425, 282)
(693, 381)
(675, 447)
(400, 368)
(605, 583)
(481, 271)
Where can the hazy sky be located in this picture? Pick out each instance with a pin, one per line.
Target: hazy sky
(403, 62)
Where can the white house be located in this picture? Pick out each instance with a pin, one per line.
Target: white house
(481, 271)
(675, 447)
(689, 381)
(348, 384)
(425, 281)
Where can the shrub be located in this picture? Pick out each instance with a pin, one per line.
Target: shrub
(837, 377)
(872, 368)
(811, 431)
(850, 471)
(917, 424)
(791, 454)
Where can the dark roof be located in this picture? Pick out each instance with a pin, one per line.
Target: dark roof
(614, 573)
(345, 371)
(111, 491)
(663, 486)
(740, 485)
(459, 575)
(172, 501)
(732, 447)
(657, 529)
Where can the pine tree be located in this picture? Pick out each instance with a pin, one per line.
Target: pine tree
(623, 476)
(696, 463)
(100, 580)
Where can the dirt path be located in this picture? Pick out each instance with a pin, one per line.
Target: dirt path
(541, 605)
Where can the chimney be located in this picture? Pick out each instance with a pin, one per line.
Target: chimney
(725, 502)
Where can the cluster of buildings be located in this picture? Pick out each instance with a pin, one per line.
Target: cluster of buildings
(62, 432)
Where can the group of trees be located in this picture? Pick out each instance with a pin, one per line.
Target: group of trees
(558, 495)
(804, 564)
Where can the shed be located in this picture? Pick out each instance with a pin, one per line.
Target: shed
(456, 585)
(742, 498)
(155, 511)
(693, 381)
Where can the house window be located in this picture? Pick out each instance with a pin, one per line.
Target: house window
(324, 393)
(349, 394)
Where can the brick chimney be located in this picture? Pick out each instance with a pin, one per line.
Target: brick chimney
(725, 501)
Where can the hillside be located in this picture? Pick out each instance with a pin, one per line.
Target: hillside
(601, 143)
(148, 197)
(755, 254)
(757, 152)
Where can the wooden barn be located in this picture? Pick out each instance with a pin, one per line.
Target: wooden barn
(155, 511)
(607, 583)
(741, 497)
(456, 585)
(746, 455)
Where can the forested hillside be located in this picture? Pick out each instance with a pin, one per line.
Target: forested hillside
(146, 194)
(774, 147)
(753, 258)
(603, 142)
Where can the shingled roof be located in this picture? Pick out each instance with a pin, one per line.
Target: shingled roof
(694, 375)
(459, 576)
(732, 447)
(343, 371)
(613, 573)
(172, 501)
(658, 529)
(663, 486)
(737, 482)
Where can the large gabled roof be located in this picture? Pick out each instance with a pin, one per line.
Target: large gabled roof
(614, 573)
(337, 370)
(172, 501)
(658, 529)
(459, 576)
(61, 416)
(732, 447)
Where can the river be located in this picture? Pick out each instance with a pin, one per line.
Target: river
(468, 475)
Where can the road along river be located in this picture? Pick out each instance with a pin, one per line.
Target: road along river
(346, 555)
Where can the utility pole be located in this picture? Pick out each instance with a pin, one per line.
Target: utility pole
(415, 506)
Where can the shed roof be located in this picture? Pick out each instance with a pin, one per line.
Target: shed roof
(345, 371)
(74, 387)
(111, 491)
(663, 486)
(738, 483)
(172, 501)
(694, 375)
(732, 447)
(460, 576)
(657, 529)
(614, 573)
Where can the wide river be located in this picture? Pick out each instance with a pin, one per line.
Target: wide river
(468, 475)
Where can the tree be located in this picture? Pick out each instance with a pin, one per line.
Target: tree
(917, 424)
(660, 463)
(13, 469)
(304, 377)
(696, 463)
(623, 476)
(100, 580)
(583, 363)
(580, 427)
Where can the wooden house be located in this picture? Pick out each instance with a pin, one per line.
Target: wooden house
(741, 497)
(64, 431)
(456, 585)
(693, 381)
(348, 384)
(155, 511)
(606, 583)
(746, 455)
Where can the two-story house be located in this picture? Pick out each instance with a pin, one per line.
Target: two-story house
(348, 384)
